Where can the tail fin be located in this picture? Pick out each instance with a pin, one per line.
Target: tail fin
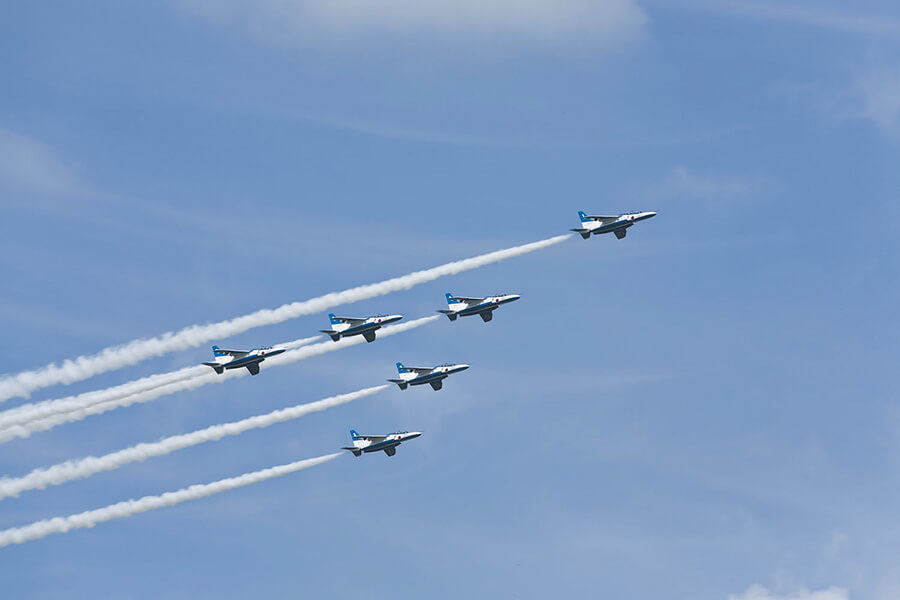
(354, 435)
(451, 300)
(218, 352)
(334, 321)
(583, 216)
(401, 368)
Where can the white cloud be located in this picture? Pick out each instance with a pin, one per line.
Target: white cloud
(758, 592)
(876, 98)
(681, 183)
(808, 14)
(305, 21)
(26, 162)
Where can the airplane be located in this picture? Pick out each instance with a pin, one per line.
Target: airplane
(434, 376)
(377, 443)
(347, 326)
(235, 359)
(618, 224)
(461, 306)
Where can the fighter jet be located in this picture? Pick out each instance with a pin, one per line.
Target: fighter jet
(434, 376)
(235, 359)
(376, 443)
(618, 225)
(347, 326)
(461, 306)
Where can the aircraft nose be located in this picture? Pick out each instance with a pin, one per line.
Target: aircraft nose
(414, 434)
(650, 214)
(462, 367)
(514, 297)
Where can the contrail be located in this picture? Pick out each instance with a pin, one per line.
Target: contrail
(30, 412)
(39, 529)
(71, 414)
(85, 467)
(114, 357)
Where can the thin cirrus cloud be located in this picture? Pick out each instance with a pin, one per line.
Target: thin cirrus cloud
(807, 14)
(30, 164)
(758, 592)
(309, 21)
(876, 98)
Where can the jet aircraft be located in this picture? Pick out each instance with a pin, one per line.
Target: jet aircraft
(347, 326)
(235, 359)
(377, 443)
(616, 224)
(433, 376)
(461, 306)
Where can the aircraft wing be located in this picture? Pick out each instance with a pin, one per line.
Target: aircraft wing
(604, 219)
(235, 353)
(467, 299)
(373, 438)
(351, 320)
(420, 369)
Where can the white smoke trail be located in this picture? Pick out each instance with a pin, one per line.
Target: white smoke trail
(76, 414)
(85, 467)
(39, 529)
(114, 357)
(30, 412)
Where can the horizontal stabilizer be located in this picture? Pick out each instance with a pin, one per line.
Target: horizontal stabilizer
(402, 384)
(334, 335)
(216, 366)
(450, 314)
(585, 233)
(355, 451)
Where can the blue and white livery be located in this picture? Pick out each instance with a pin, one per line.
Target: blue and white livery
(463, 306)
(236, 359)
(434, 376)
(618, 225)
(366, 327)
(378, 443)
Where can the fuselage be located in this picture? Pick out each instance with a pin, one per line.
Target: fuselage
(370, 324)
(350, 326)
(622, 222)
(437, 373)
(393, 439)
(253, 356)
(489, 303)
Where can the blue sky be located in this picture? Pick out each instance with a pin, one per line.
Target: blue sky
(706, 410)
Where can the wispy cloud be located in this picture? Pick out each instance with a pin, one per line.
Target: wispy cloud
(805, 14)
(869, 93)
(681, 181)
(306, 21)
(875, 97)
(28, 163)
(758, 592)
(684, 184)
